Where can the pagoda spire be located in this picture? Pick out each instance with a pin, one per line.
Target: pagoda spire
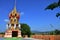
(15, 6)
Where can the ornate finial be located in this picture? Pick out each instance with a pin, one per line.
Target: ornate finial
(15, 6)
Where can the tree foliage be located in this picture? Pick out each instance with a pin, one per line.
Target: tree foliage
(56, 32)
(58, 14)
(2, 33)
(25, 30)
(53, 6)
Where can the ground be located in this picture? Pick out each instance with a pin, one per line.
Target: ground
(14, 38)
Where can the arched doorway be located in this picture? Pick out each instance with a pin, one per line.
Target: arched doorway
(14, 33)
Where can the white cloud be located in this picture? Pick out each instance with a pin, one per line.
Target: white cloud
(6, 20)
(22, 13)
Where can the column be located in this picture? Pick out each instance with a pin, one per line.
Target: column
(7, 26)
(19, 26)
(14, 26)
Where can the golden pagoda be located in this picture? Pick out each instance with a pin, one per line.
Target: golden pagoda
(13, 26)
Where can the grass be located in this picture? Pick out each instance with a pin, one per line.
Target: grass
(14, 38)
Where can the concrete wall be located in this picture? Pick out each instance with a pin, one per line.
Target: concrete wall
(47, 37)
(1, 35)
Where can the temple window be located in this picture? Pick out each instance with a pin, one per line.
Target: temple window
(14, 20)
(12, 24)
(16, 24)
(15, 14)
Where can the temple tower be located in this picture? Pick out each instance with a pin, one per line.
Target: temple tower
(13, 26)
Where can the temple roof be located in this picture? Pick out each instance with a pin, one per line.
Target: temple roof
(14, 11)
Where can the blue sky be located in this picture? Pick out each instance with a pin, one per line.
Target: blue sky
(32, 13)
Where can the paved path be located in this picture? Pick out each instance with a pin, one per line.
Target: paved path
(31, 39)
(19, 39)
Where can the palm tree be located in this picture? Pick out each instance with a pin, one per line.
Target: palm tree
(53, 6)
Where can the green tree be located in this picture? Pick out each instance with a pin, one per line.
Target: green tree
(57, 32)
(2, 33)
(53, 6)
(51, 33)
(25, 30)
